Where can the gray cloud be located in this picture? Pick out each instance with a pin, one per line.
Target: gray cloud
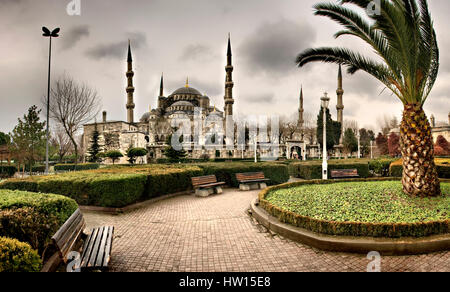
(197, 53)
(260, 98)
(74, 35)
(273, 46)
(116, 50)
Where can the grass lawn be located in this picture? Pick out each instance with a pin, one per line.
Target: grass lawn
(365, 202)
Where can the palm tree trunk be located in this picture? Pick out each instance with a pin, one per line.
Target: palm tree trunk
(420, 177)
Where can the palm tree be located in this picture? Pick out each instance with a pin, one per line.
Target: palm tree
(403, 37)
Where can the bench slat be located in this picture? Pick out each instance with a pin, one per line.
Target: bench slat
(64, 227)
(251, 177)
(89, 244)
(95, 249)
(68, 246)
(108, 247)
(101, 250)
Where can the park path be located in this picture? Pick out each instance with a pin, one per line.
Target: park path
(215, 234)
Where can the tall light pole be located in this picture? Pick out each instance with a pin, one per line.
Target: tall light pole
(359, 145)
(371, 149)
(256, 148)
(49, 34)
(325, 103)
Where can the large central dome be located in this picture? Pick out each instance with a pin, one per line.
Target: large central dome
(186, 91)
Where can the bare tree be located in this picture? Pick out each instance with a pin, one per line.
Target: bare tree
(388, 123)
(310, 126)
(351, 124)
(61, 141)
(73, 105)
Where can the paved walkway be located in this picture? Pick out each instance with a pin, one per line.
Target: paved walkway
(215, 234)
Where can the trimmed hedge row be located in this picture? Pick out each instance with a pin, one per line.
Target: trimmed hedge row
(113, 190)
(313, 170)
(276, 172)
(396, 169)
(119, 186)
(18, 257)
(33, 218)
(350, 228)
(76, 167)
(7, 171)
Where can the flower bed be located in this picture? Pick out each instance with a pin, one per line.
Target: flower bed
(374, 208)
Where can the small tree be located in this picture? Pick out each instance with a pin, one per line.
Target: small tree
(134, 153)
(96, 148)
(4, 142)
(382, 144)
(333, 130)
(114, 155)
(442, 146)
(175, 155)
(394, 145)
(28, 138)
(350, 142)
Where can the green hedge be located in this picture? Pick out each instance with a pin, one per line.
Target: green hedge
(380, 167)
(397, 170)
(313, 170)
(276, 172)
(33, 218)
(16, 256)
(7, 171)
(391, 230)
(76, 167)
(168, 182)
(119, 186)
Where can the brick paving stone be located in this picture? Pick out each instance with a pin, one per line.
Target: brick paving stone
(215, 234)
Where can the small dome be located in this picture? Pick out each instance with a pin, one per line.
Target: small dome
(182, 103)
(145, 117)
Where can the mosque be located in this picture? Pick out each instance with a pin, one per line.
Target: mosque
(154, 128)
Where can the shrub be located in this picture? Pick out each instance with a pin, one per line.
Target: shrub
(7, 171)
(381, 166)
(77, 167)
(114, 155)
(168, 181)
(313, 169)
(276, 172)
(134, 153)
(16, 256)
(32, 217)
(443, 168)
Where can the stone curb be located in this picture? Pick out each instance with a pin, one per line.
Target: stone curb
(362, 245)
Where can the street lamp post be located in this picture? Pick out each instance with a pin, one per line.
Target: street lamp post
(49, 34)
(325, 101)
(256, 148)
(371, 149)
(359, 145)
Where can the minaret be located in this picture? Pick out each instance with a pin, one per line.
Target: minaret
(130, 87)
(301, 111)
(161, 86)
(433, 121)
(229, 84)
(340, 104)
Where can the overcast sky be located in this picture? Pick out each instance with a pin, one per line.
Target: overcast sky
(188, 38)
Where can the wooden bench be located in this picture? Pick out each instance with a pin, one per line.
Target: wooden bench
(97, 246)
(344, 173)
(206, 185)
(251, 179)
